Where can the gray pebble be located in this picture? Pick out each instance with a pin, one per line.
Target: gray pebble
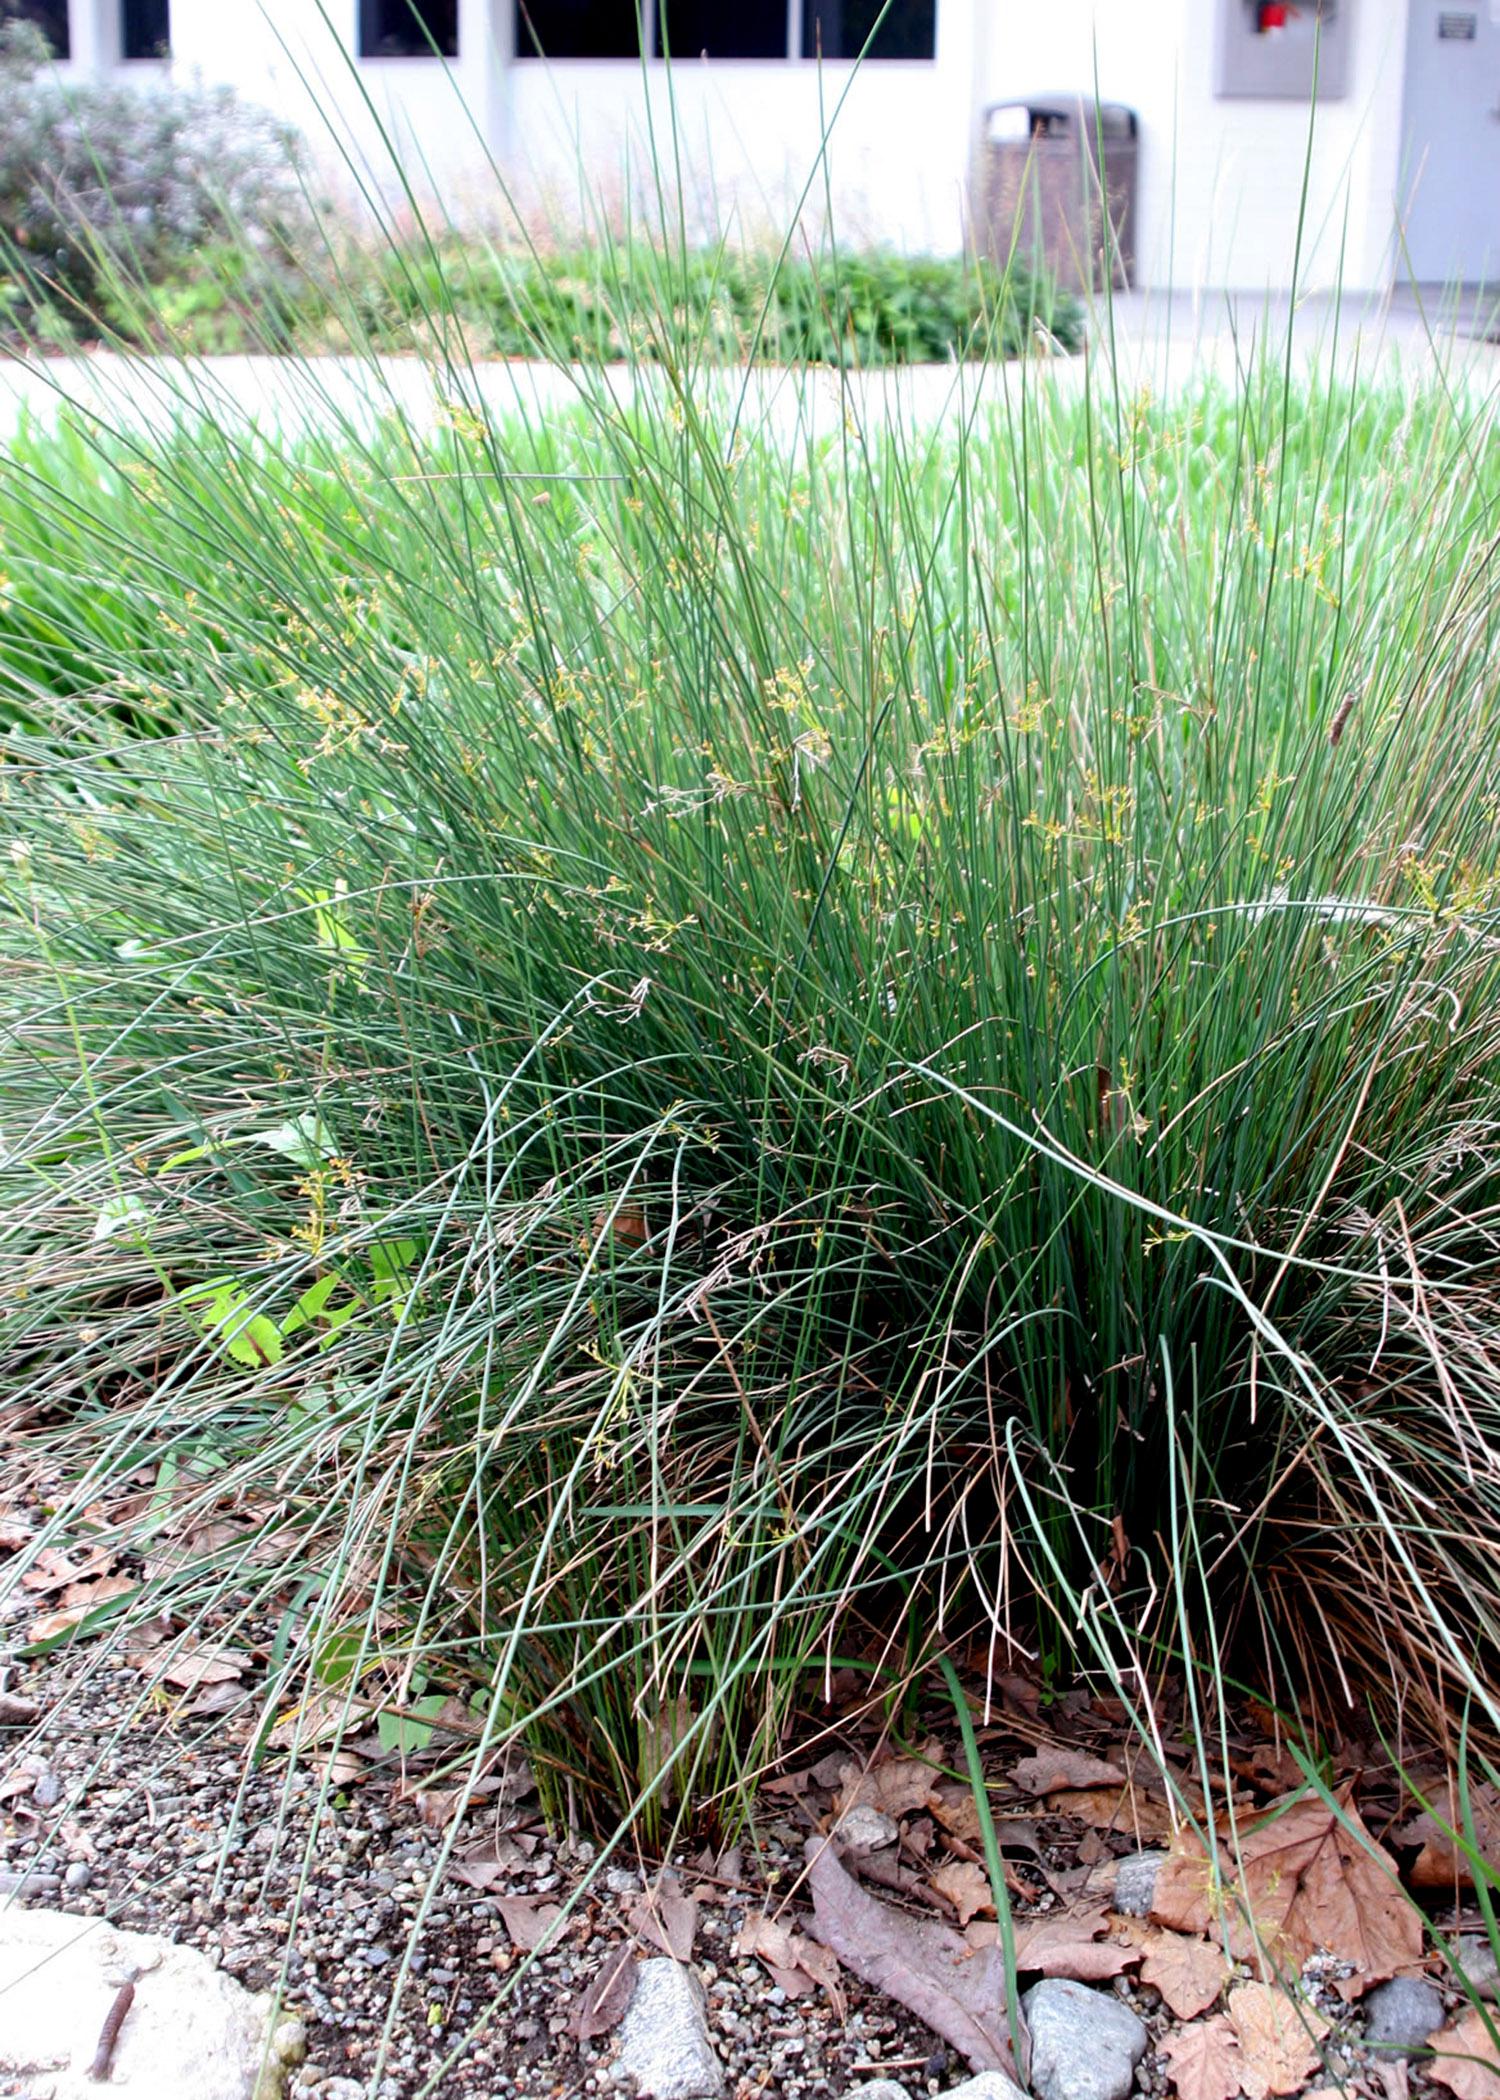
(881, 2089)
(1135, 1883)
(1085, 2044)
(1474, 1960)
(988, 2085)
(376, 1955)
(79, 1875)
(1400, 2015)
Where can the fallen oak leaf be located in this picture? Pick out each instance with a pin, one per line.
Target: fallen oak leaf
(1203, 2061)
(666, 1919)
(607, 1999)
(79, 1601)
(897, 1786)
(1278, 2039)
(797, 1963)
(1466, 2059)
(1070, 1945)
(202, 1664)
(481, 1865)
(1190, 1974)
(965, 1886)
(1147, 1817)
(926, 1966)
(1306, 1879)
(528, 1919)
(1049, 1771)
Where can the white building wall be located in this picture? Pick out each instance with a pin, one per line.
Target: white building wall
(1219, 180)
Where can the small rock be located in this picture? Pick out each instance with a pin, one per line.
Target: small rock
(1400, 2015)
(289, 2042)
(1135, 1883)
(1085, 2044)
(988, 2085)
(866, 1829)
(20, 1882)
(46, 1789)
(78, 1876)
(664, 2040)
(1474, 1959)
(341, 2089)
(882, 2089)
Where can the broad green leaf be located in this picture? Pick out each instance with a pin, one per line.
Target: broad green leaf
(409, 1730)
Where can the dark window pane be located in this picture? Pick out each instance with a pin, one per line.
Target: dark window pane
(145, 28)
(577, 29)
(408, 28)
(841, 29)
(695, 28)
(49, 16)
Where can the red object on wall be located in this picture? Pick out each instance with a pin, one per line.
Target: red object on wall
(1273, 15)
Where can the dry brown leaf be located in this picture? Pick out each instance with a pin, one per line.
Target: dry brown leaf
(1308, 1883)
(54, 1570)
(78, 1600)
(15, 1531)
(1440, 1864)
(1070, 1945)
(607, 1999)
(1047, 1771)
(481, 1866)
(1203, 2061)
(1190, 1974)
(340, 1767)
(796, 1963)
(1466, 2059)
(203, 1664)
(1278, 2039)
(897, 1786)
(927, 1966)
(665, 1919)
(213, 1699)
(528, 1919)
(316, 1718)
(1143, 1816)
(964, 1885)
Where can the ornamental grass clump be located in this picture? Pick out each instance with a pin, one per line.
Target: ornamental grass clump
(701, 1038)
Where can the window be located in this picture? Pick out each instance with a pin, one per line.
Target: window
(577, 29)
(49, 16)
(145, 29)
(707, 29)
(766, 29)
(408, 28)
(842, 28)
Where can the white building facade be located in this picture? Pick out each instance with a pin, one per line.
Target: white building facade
(549, 103)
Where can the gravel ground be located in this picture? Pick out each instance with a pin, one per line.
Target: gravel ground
(167, 1831)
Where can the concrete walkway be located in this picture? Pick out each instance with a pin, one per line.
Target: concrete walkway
(1162, 341)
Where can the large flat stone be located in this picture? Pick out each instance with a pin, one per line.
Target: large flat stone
(664, 2039)
(191, 2033)
(1085, 2044)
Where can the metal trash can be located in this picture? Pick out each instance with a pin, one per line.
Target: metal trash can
(1040, 192)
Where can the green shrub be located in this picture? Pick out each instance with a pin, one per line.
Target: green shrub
(108, 190)
(865, 308)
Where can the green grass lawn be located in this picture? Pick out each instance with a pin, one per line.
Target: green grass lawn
(686, 1056)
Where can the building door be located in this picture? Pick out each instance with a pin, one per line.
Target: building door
(1450, 160)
